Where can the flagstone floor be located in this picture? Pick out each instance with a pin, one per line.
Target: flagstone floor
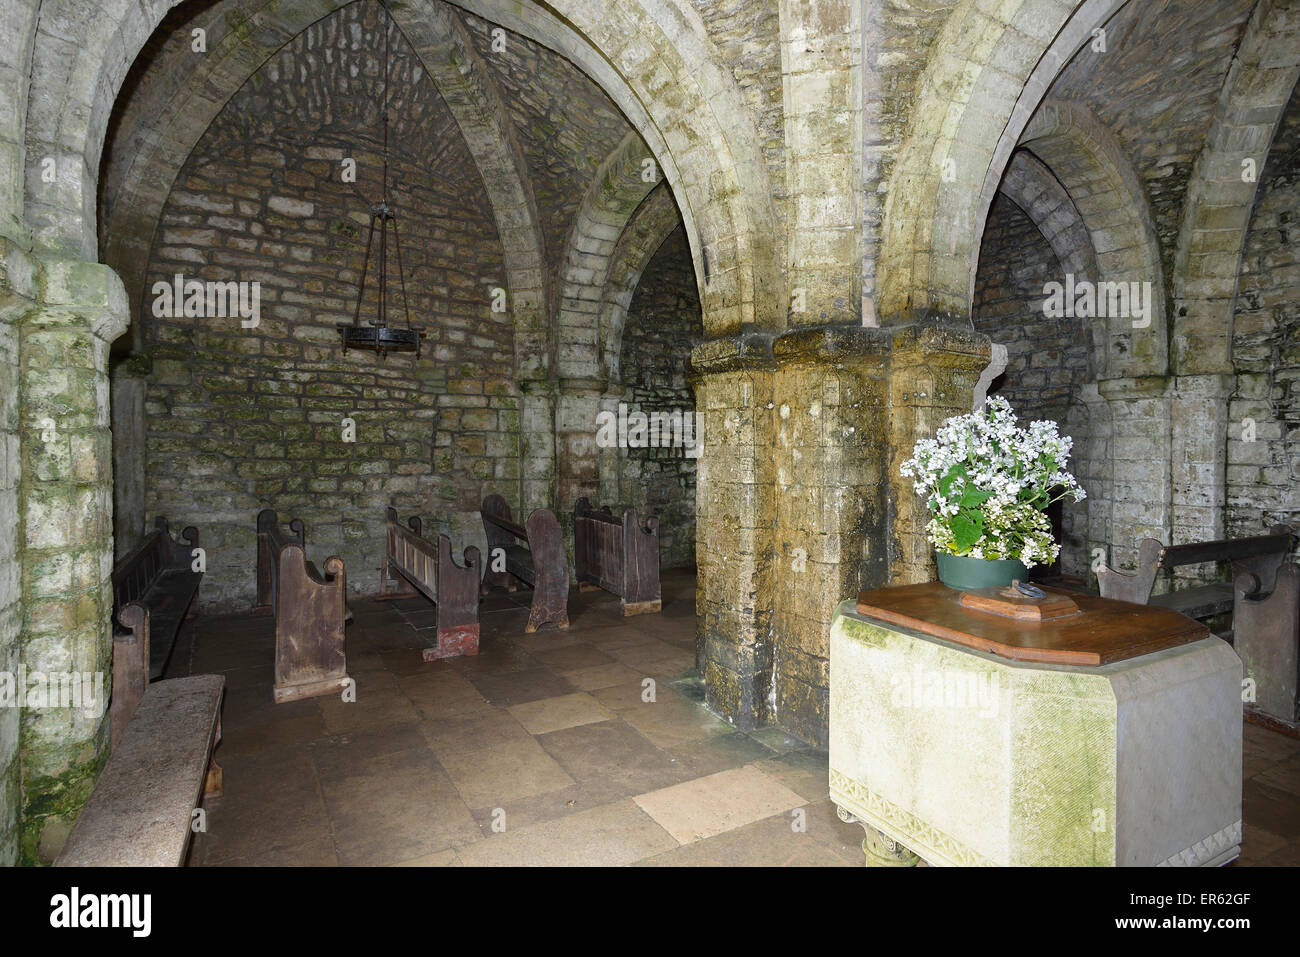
(543, 750)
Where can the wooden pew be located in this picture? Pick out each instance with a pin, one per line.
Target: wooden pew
(1264, 599)
(620, 556)
(539, 561)
(309, 608)
(164, 735)
(154, 587)
(433, 573)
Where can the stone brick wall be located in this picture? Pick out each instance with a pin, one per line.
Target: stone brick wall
(1263, 475)
(663, 325)
(240, 419)
(1047, 359)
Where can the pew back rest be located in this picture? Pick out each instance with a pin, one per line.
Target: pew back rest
(413, 555)
(1154, 557)
(139, 569)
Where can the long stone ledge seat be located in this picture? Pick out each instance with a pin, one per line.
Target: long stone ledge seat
(141, 811)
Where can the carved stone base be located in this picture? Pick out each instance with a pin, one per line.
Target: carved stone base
(879, 850)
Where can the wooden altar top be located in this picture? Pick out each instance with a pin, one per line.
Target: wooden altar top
(1062, 628)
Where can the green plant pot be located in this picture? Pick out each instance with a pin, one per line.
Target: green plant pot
(966, 573)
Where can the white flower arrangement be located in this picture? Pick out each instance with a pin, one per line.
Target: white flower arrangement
(988, 482)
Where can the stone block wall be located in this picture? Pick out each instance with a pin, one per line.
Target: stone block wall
(663, 325)
(1263, 475)
(240, 419)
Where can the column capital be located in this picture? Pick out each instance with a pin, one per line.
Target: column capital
(1136, 387)
(1210, 385)
(583, 386)
(950, 346)
(830, 344)
(750, 351)
(537, 388)
(70, 293)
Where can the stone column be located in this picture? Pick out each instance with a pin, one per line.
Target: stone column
(18, 294)
(1199, 426)
(1090, 520)
(127, 386)
(536, 445)
(830, 392)
(65, 514)
(610, 459)
(1140, 455)
(734, 508)
(932, 375)
(578, 404)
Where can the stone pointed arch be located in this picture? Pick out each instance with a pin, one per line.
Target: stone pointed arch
(1086, 157)
(1220, 197)
(654, 59)
(652, 223)
(615, 193)
(1032, 187)
(990, 68)
(161, 125)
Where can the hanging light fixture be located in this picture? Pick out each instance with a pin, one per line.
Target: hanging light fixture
(377, 335)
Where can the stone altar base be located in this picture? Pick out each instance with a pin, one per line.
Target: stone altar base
(963, 757)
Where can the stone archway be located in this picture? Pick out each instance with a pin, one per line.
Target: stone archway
(948, 170)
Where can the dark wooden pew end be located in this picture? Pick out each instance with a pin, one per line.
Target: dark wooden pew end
(620, 556)
(533, 554)
(431, 572)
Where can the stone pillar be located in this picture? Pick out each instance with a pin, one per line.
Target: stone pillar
(536, 445)
(734, 508)
(65, 515)
(1140, 455)
(578, 404)
(1090, 520)
(610, 459)
(933, 371)
(127, 390)
(18, 293)
(1199, 425)
(830, 392)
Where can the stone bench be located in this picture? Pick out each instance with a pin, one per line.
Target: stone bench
(141, 811)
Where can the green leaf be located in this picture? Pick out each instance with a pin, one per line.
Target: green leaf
(967, 528)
